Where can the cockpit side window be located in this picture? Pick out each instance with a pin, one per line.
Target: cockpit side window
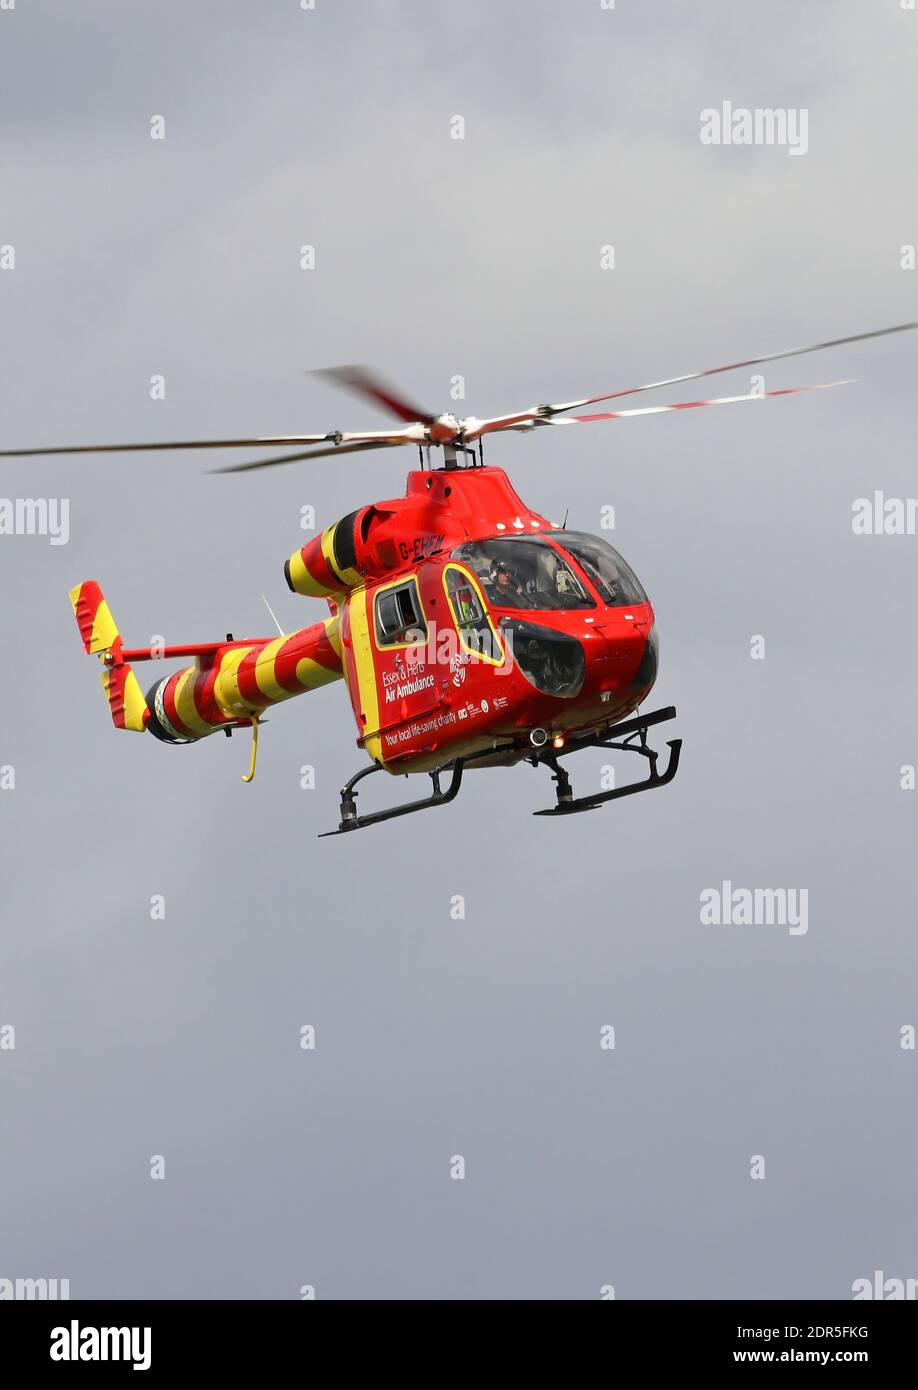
(517, 574)
(399, 617)
(614, 580)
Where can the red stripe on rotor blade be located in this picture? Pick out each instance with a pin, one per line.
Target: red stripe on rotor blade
(694, 405)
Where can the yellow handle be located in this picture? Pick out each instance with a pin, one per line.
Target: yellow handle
(249, 776)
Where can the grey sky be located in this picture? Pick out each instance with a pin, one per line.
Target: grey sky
(481, 1038)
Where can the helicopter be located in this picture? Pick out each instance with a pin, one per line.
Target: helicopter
(469, 630)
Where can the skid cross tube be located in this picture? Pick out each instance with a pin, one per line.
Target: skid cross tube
(628, 736)
(351, 821)
(622, 738)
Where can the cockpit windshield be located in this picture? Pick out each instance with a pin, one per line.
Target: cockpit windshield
(524, 574)
(615, 581)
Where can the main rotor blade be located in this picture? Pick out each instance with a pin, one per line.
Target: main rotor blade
(547, 411)
(693, 405)
(269, 441)
(750, 362)
(538, 421)
(355, 448)
(362, 382)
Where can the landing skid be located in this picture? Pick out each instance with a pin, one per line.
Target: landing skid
(628, 737)
(351, 821)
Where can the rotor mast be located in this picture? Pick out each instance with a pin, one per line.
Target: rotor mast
(452, 448)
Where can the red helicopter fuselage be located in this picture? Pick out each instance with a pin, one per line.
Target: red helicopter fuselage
(469, 631)
(472, 627)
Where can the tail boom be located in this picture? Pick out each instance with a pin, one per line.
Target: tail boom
(231, 682)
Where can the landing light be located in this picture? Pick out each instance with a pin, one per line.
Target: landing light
(558, 741)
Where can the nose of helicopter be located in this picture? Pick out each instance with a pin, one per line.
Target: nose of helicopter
(627, 653)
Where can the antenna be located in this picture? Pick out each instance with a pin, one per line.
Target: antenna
(273, 618)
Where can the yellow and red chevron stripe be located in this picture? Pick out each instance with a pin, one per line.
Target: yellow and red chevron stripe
(251, 678)
(244, 679)
(318, 571)
(228, 682)
(97, 626)
(100, 635)
(125, 698)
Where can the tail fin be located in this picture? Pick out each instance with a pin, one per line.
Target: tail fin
(101, 637)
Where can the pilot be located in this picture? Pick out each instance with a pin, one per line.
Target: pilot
(505, 589)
